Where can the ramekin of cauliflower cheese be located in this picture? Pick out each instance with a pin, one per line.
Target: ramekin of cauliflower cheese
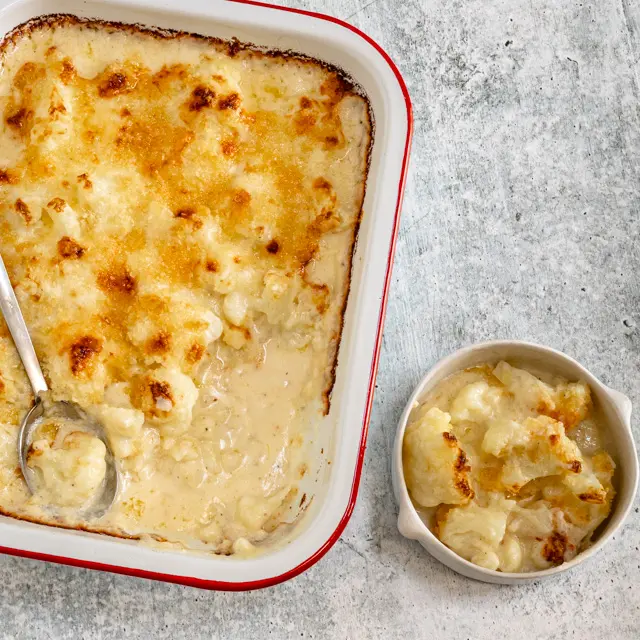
(513, 462)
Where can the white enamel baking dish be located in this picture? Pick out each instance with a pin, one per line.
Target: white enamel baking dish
(340, 441)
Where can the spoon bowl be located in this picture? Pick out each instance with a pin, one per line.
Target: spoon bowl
(20, 334)
(70, 410)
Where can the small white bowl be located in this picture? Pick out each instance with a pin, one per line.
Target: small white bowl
(616, 408)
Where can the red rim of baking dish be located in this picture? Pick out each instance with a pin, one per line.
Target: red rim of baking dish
(311, 560)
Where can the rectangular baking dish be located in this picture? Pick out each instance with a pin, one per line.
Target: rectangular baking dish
(338, 446)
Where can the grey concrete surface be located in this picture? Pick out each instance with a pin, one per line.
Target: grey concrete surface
(521, 220)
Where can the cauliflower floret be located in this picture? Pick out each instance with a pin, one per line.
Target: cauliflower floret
(502, 436)
(435, 467)
(586, 486)
(65, 220)
(77, 372)
(235, 307)
(527, 390)
(280, 299)
(236, 337)
(548, 534)
(535, 527)
(573, 403)
(72, 473)
(224, 273)
(243, 548)
(475, 403)
(585, 498)
(211, 533)
(123, 426)
(118, 394)
(555, 528)
(167, 335)
(118, 421)
(537, 449)
(476, 532)
(167, 397)
(510, 553)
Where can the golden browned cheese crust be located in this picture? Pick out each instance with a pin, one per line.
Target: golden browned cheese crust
(161, 192)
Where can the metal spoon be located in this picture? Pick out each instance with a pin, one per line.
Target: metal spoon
(15, 321)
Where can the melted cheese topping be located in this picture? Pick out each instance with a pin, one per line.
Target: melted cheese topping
(509, 471)
(177, 216)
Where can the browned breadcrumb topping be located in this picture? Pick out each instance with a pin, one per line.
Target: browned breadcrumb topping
(461, 468)
(68, 72)
(156, 144)
(68, 248)
(19, 118)
(450, 439)
(229, 147)
(241, 198)
(57, 204)
(321, 183)
(555, 548)
(440, 517)
(117, 280)
(195, 353)
(6, 177)
(230, 101)
(114, 83)
(189, 214)
(201, 98)
(146, 391)
(273, 247)
(81, 354)
(159, 344)
(23, 210)
(160, 390)
(83, 178)
(593, 497)
(57, 108)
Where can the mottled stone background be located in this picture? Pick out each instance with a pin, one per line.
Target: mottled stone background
(520, 221)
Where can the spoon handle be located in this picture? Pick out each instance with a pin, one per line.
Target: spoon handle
(19, 332)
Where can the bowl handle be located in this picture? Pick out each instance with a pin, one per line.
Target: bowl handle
(407, 524)
(622, 403)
